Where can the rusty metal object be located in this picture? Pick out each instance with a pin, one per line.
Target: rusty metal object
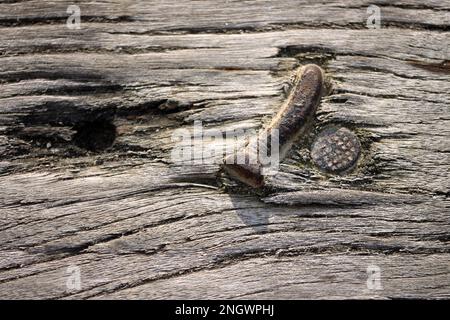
(336, 150)
(289, 123)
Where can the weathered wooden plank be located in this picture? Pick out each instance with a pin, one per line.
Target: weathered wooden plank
(140, 226)
(208, 16)
(341, 276)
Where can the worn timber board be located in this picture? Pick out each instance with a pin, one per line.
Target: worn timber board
(136, 225)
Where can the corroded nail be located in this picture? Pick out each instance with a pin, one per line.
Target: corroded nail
(336, 150)
(290, 122)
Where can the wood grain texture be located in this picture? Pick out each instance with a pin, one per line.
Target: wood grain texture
(140, 226)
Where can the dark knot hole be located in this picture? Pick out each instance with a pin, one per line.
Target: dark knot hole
(95, 135)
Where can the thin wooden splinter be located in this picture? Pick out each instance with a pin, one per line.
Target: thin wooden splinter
(290, 121)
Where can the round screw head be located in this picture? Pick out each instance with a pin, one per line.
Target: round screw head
(336, 150)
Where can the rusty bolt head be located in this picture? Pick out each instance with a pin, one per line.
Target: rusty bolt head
(336, 150)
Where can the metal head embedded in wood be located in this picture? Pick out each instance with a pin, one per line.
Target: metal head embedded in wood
(336, 150)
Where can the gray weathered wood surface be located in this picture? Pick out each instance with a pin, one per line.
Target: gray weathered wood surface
(137, 226)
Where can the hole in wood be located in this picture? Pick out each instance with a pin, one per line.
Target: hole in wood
(95, 135)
